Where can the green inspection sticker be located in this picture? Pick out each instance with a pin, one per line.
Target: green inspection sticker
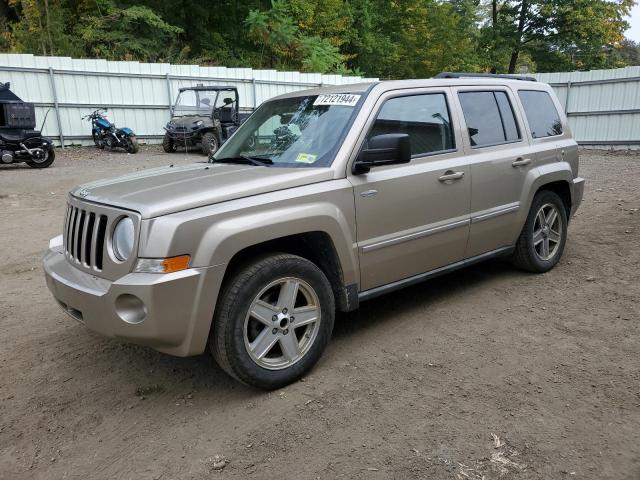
(306, 158)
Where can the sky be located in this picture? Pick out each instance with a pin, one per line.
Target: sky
(634, 20)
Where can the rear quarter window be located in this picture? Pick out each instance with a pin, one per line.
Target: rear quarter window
(541, 113)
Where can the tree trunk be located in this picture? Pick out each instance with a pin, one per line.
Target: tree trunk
(514, 61)
(46, 12)
(524, 6)
(494, 25)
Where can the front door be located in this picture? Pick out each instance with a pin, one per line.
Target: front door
(413, 218)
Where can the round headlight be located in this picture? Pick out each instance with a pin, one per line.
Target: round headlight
(123, 238)
(198, 123)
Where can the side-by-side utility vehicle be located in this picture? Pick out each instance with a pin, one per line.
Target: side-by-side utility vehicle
(321, 200)
(203, 116)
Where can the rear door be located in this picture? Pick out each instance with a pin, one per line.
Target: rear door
(413, 218)
(499, 154)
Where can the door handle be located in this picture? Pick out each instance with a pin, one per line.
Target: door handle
(521, 162)
(368, 193)
(451, 175)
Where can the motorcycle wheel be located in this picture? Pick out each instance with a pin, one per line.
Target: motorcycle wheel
(132, 144)
(108, 144)
(97, 139)
(49, 157)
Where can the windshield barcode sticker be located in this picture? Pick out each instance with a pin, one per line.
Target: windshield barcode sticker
(342, 99)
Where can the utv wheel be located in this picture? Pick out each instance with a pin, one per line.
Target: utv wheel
(544, 234)
(168, 145)
(273, 320)
(44, 162)
(209, 143)
(132, 145)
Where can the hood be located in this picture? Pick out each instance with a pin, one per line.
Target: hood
(165, 190)
(189, 119)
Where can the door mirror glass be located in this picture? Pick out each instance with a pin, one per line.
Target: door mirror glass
(386, 149)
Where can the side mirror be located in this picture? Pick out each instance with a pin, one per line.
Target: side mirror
(388, 149)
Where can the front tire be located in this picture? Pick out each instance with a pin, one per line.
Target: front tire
(544, 234)
(210, 143)
(273, 320)
(97, 139)
(168, 144)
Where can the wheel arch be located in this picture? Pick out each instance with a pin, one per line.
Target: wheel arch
(563, 190)
(317, 247)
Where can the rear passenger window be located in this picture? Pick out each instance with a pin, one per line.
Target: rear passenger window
(489, 117)
(425, 118)
(541, 113)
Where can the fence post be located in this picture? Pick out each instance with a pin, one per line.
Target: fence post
(255, 98)
(566, 100)
(55, 106)
(169, 96)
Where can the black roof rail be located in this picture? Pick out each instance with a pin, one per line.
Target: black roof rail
(484, 75)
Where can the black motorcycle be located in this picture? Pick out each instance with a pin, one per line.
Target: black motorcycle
(106, 135)
(19, 142)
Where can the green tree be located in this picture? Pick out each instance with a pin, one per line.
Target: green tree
(555, 33)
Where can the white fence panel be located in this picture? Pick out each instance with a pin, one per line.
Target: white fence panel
(603, 106)
(137, 95)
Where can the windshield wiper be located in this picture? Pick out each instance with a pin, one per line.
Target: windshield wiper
(246, 160)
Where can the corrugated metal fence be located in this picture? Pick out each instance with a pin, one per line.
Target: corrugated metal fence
(137, 95)
(603, 106)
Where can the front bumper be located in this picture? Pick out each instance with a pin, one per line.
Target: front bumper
(178, 307)
(182, 136)
(576, 194)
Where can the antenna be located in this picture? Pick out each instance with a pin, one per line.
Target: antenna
(45, 119)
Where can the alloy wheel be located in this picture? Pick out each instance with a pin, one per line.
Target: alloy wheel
(547, 231)
(282, 323)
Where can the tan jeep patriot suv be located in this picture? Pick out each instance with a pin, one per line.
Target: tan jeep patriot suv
(322, 199)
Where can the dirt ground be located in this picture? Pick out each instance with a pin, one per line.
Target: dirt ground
(484, 373)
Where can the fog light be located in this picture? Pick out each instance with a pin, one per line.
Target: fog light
(131, 309)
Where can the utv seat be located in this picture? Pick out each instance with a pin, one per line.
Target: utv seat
(226, 114)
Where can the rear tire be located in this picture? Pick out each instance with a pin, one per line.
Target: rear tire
(46, 162)
(168, 144)
(210, 143)
(132, 146)
(544, 234)
(256, 337)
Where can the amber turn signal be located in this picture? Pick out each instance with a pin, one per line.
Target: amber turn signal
(174, 264)
(162, 265)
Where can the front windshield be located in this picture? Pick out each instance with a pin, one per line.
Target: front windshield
(293, 132)
(195, 102)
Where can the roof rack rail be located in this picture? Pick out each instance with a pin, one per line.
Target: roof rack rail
(484, 75)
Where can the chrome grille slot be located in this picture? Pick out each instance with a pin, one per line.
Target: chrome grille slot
(84, 236)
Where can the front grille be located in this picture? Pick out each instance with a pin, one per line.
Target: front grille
(84, 235)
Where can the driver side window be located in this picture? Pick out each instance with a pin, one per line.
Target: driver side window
(425, 118)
